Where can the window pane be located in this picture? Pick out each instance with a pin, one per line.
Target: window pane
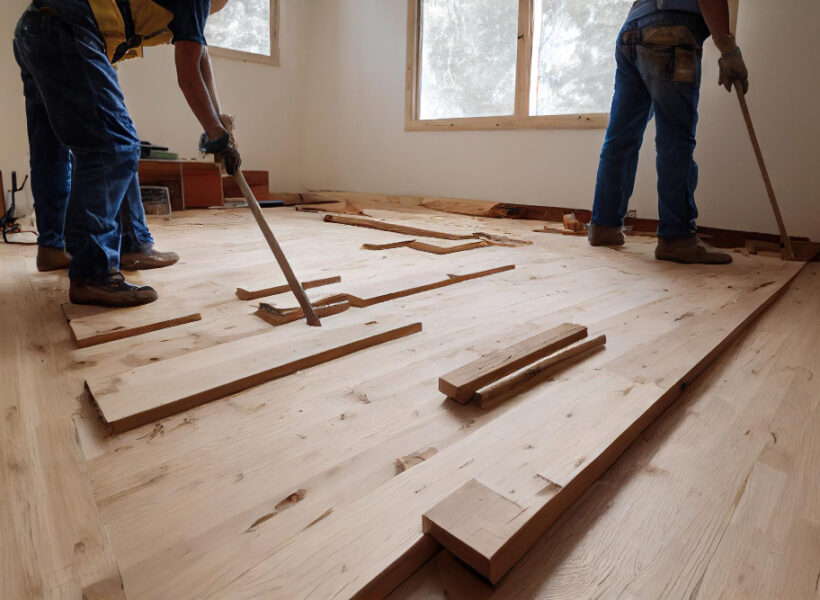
(242, 25)
(575, 55)
(468, 56)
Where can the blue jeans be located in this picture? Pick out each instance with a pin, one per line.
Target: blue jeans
(658, 71)
(84, 148)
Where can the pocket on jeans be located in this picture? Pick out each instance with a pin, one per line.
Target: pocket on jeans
(685, 66)
(655, 63)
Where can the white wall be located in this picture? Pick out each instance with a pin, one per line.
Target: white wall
(13, 138)
(267, 101)
(354, 138)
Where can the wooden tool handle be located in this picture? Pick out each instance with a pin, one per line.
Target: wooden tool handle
(785, 240)
(295, 286)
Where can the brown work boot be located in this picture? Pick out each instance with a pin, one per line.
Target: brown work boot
(603, 235)
(52, 259)
(690, 250)
(110, 290)
(147, 259)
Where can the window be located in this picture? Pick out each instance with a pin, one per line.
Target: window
(245, 30)
(501, 64)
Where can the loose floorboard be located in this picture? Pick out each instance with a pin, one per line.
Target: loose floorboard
(168, 387)
(93, 325)
(265, 492)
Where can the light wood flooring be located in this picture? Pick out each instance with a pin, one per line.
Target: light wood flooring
(290, 489)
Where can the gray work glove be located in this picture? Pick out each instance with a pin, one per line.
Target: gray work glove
(224, 151)
(732, 67)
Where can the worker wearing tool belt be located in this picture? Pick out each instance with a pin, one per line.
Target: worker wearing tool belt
(658, 54)
(84, 148)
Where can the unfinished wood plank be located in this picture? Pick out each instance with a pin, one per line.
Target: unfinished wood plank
(429, 248)
(395, 228)
(343, 207)
(495, 392)
(92, 325)
(364, 298)
(548, 229)
(391, 246)
(244, 294)
(474, 208)
(155, 391)
(567, 477)
(470, 523)
(501, 240)
(463, 383)
(433, 249)
(411, 460)
(280, 316)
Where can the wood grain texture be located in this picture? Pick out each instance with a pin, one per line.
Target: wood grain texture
(505, 530)
(244, 294)
(220, 470)
(429, 248)
(93, 325)
(395, 228)
(462, 383)
(376, 294)
(495, 392)
(281, 316)
(152, 392)
(53, 542)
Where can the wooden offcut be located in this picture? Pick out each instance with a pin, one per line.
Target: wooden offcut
(429, 248)
(572, 223)
(496, 391)
(464, 382)
(395, 228)
(177, 384)
(365, 298)
(245, 294)
(472, 523)
(92, 325)
(280, 316)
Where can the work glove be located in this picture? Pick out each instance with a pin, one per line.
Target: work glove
(732, 67)
(224, 150)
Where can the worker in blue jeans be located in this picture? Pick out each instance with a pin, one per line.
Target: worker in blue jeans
(84, 148)
(658, 54)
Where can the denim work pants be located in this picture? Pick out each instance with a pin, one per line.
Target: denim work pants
(658, 71)
(84, 148)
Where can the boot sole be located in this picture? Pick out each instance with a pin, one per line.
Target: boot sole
(111, 303)
(607, 245)
(690, 262)
(146, 266)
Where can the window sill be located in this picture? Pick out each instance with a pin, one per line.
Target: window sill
(245, 56)
(592, 121)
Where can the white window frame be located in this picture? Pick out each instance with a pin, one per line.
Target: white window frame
(521, 118)
(272, 60)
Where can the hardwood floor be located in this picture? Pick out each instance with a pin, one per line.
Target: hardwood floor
(289, 489)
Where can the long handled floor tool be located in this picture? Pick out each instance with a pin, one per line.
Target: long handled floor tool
(295, 286)
(786, 250)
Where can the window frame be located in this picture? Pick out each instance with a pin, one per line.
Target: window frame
(244, 56)
(520, 119)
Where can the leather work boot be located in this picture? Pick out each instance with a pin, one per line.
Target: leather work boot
(602, 235)
(690, 250)
(52, 259)
(110, 290)
(147, 259)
